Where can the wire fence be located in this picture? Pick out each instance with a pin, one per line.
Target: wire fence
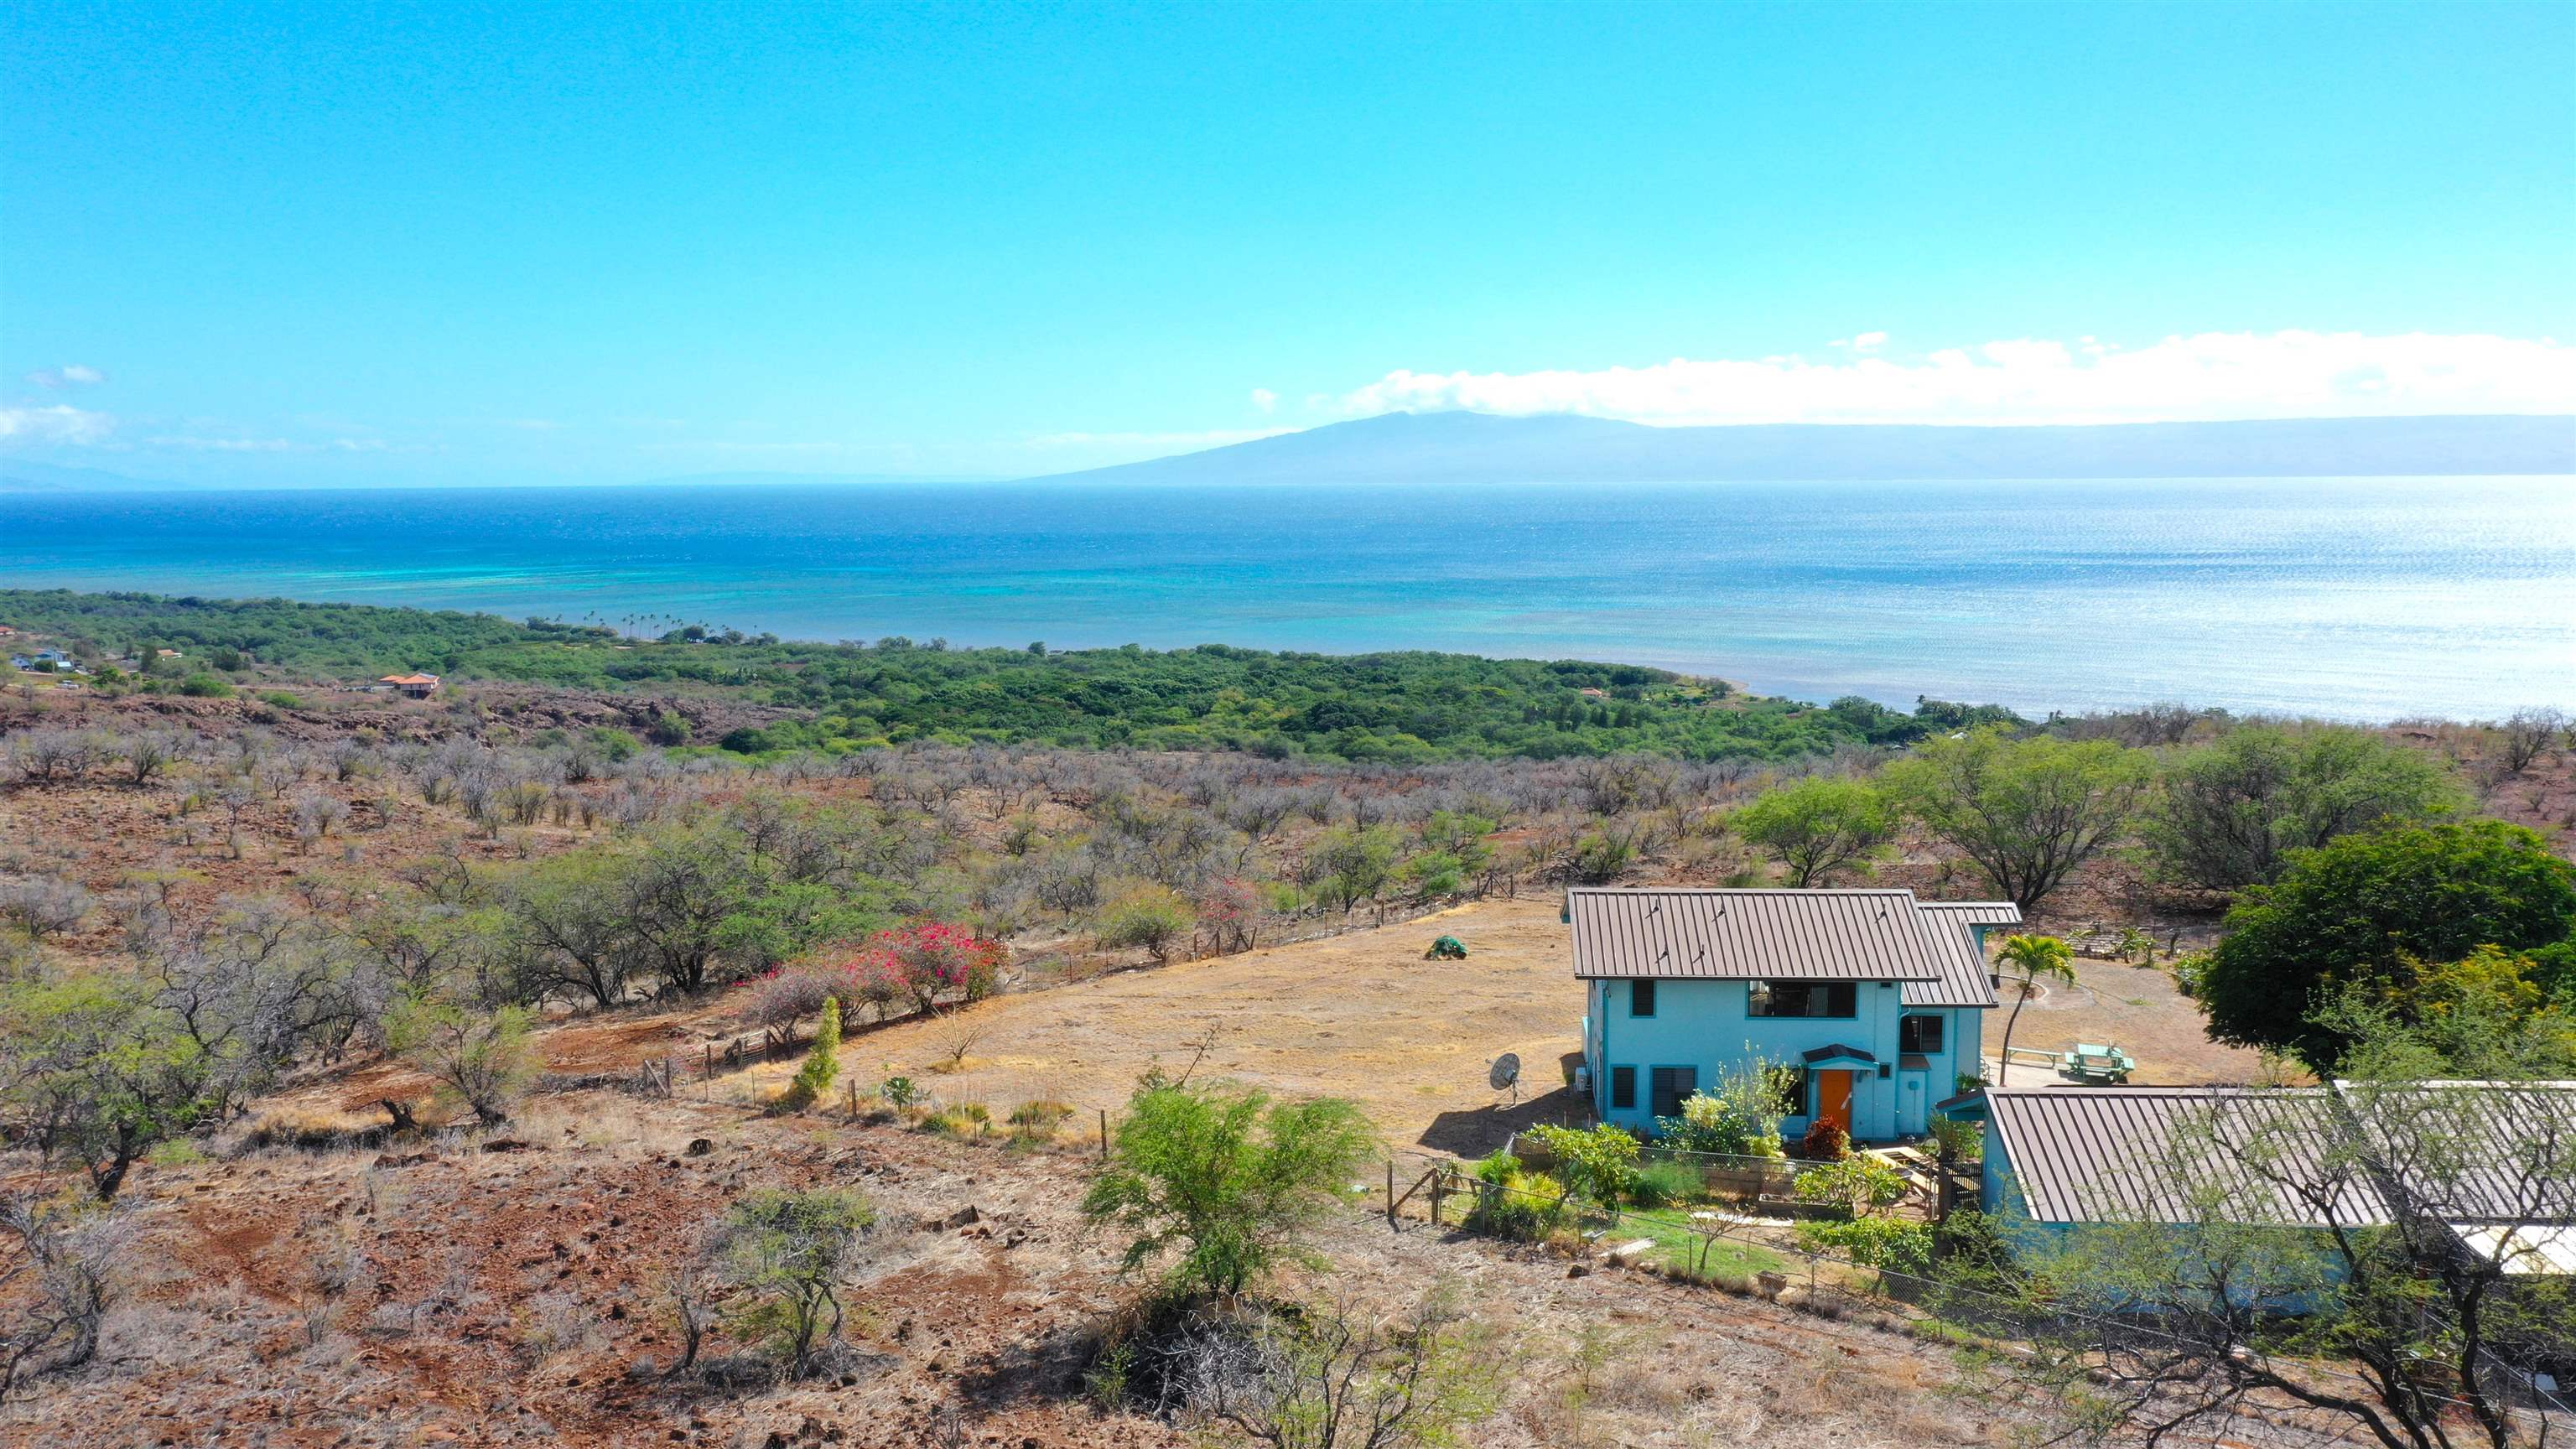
(1952, 1309)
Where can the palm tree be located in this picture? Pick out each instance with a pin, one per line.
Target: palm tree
(2033, 959)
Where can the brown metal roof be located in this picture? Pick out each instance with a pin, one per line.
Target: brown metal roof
(2473, 1151)
(1727, 935)
(1979, 913)
(2145, 1154)
(1965, 976)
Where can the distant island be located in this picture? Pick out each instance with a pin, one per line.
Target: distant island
(1472, 448)
(1462, 447)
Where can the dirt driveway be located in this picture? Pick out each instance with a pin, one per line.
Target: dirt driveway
(2137, 1010)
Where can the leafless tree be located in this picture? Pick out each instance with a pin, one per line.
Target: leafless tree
(43, 905)
(2530, 733)
(57, 1267)
(48, 754)
(1333, 1375)
(148, 752)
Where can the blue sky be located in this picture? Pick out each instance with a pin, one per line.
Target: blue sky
(526, 243)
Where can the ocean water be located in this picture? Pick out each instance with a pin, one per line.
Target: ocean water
(2351, 598)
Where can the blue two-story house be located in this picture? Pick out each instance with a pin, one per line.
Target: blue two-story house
(1875, 998)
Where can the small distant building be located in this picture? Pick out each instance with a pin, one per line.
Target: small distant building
(1596, 693)
(168, 653)
(411, 686)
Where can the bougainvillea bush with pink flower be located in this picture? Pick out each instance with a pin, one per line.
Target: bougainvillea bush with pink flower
(918, 966)
(927, 963)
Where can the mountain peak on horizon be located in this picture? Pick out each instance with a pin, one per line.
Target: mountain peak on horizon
(1464, 446)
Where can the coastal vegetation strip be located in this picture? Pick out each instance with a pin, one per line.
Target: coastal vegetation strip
(1406, 706)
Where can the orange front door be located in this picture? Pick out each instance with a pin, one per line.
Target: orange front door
(1833, 1099)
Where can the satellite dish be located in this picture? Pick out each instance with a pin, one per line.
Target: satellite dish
(1506, 1075)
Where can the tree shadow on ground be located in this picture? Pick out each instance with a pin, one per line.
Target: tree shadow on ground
(1047, 1368)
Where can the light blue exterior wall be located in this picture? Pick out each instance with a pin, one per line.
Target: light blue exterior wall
(1917, 1091)
(1704, 1025)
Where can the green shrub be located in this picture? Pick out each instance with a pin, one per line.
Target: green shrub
(966, 1120)
(1959, 1141)
(1664, 1184)
(1973, 1252)
(1039, 1119)
(205, 686)
(1857, 1185)
(281, 699)
(822, 1062)
(784, 1254)
(1600, 1162)
(1147, 915)
(1225, 1180)
(1513, 1202)
(480, 1060)
(1740, 1118)
(1891, 1245)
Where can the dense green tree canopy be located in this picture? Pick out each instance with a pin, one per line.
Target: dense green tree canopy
(1818, 826)
(2364, 908)
(2027, 812)
(2230, 812)
(1398, 707)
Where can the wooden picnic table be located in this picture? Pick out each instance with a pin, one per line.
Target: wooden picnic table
(2099, 1066)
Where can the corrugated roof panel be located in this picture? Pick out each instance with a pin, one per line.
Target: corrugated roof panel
(1751, 935)
(1979, 913)
(2144, 1154)
(2495, 1152)
(1965, 977)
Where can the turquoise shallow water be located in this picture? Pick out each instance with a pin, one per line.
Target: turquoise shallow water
(2359, 598)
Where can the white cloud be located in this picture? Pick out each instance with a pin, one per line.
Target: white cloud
(193, 443)
(70, 374)
(1264, 399)
(2214, 375)
(59, 423)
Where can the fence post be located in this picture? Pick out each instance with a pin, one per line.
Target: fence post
(1439, 1192)
(1104, 1134)
(1390, 1192)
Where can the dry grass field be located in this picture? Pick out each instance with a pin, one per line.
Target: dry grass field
(1360, 1016)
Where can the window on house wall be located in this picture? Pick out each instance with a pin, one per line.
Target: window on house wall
(1641, 998)
(1671, 1086)
(1803, 998)
(1919, 1034)
(1793, 1091)
(1623, 1089)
